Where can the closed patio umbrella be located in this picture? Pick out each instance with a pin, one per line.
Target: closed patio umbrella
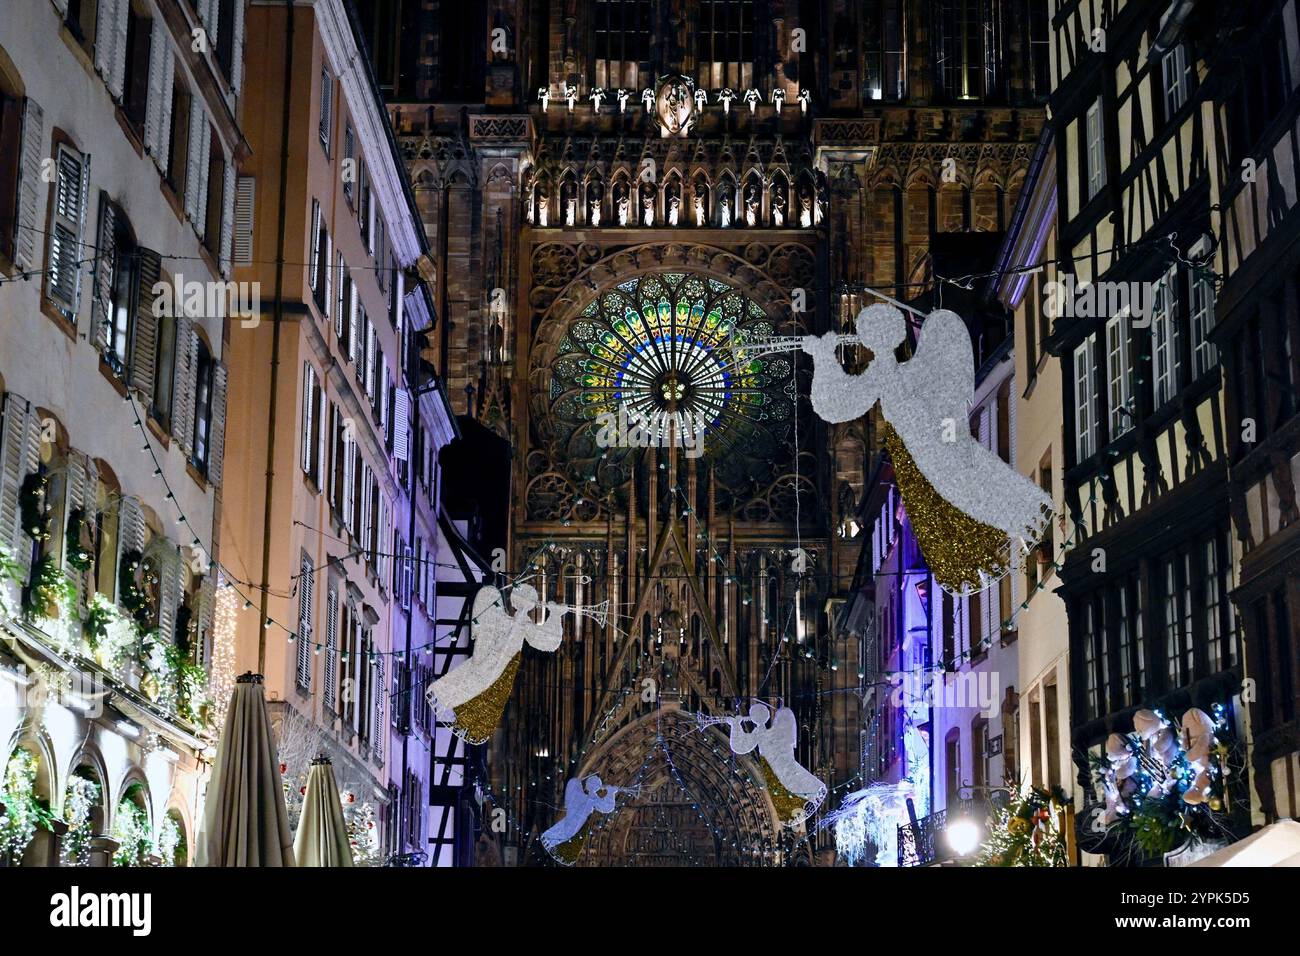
(322, 837)
(1277, 844)
(245, 822)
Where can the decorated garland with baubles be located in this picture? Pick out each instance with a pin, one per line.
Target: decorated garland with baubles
(1029, 831)
(1164, 782)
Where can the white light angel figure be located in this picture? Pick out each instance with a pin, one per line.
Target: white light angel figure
(582, 799)
(623, 96)
(753, 97)
(597, 95)
(805, 97)
(795, 792)
(473, 696)
(778, 98)
(648, 100)
(725, 97)
(570, 95)
(973, 514)
(701, 100)
(544, 97)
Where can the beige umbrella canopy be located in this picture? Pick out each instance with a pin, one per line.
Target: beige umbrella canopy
(322, 837)
(245, 822)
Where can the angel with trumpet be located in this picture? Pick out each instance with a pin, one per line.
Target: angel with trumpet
(795, 792)
(973, 514)
(473, 697)
(583, 798)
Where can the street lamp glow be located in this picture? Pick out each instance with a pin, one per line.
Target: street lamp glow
(964, 836)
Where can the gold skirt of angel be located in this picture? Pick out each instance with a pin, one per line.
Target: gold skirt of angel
(477, 719)
(957, 548)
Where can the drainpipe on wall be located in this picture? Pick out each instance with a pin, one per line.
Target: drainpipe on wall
(277, 319)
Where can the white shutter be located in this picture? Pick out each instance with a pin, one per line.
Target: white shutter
(118, 75)
(184, 382)
(205, 168)
(217, 426)
(308, 411)
(245, 196)
(101, 305)
(171, 585)
(29, 185)
(340, 306)
(207, 609)
(68, 220)
(237, 49)
(401, 415)
(370, 358)
(367, 490)
(326, 108)
(106, 39)
(227, 217)
(62, 7)
(195, 172)
(144, 340)
(210, 11)
(331, 647)
(328, 277)
(306, 602)
(353, 324)
(313, 254)
(349, 481)
(74, 498)
(377, 734)
(130, 536)
(162, 157)
(19, 456)
(158, 50)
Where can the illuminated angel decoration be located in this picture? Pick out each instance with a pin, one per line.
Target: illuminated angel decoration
(795, 792)
(972, 513)
(473, 696)
(582, 799)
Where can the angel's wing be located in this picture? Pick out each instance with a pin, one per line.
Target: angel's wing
(488, 610)
(944, 359)
(784, 726)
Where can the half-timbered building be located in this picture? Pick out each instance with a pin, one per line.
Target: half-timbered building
(1132, 303)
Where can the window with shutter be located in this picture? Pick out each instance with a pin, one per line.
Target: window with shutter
(217, 425)
(313, 255)
(196, 163)
(213, 201)
(311, 424)
(349, 481)
(102, 312)
(341, 304)
(144, 338)
(245, 198)
(1084, 399)
(227, 217)
(158, 108)
(306, 599)
(377, 744)
(326, 109)
(327, 258)
(177, 165)
(110, 43)
(331, 647)
(354, 318)
(19, 457)
(184, 382)
(237, 51)
(349, 154)
(136, 63)
(401, 415)
(67, 218)
(29, 184)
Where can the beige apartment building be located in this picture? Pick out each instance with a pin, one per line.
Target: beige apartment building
(1043, 686)
(317, 459)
